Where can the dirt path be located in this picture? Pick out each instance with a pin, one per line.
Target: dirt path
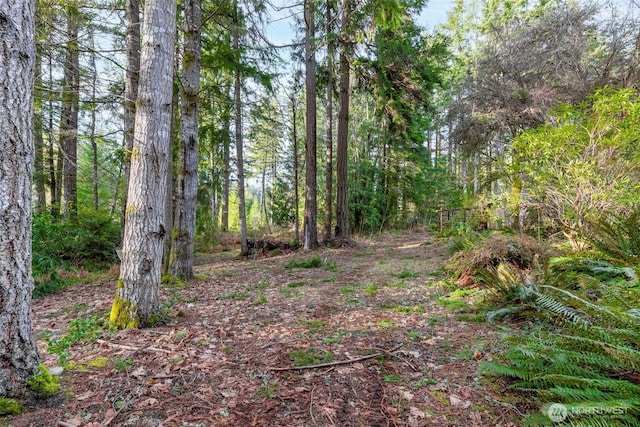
(374, 313)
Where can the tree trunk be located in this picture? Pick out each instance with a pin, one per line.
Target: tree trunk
(132, 76)
(69, 115)
(226, 179)
(92, 129)
(310, 203)
(39, 175)
(237, 96)
(137, 301)
(342, 196)
(181, 260)
(169, 194)
(296, 166)
(328, 213)
(51, 160)
(18, 350)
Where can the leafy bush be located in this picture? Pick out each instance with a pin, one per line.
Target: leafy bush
(59, 243)
(617, 236)
(88, 329)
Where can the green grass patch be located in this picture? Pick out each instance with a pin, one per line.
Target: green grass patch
(423, 382)
(262, 299)
(406, 274)
(233, 295)
(393, 378)
(309, 356)
(347, 290)
(405, 308)
(396, 285)
(315, 323)
(433, 321)
(315, 262)
(267, 390)
(465, 354)
(371, 290)
(385, 324)
(295, 284)
(261, 285)
(289, 293)
(330, 266)
(452, 304)
(471, 317)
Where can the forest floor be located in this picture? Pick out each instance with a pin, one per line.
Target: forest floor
(394, 346)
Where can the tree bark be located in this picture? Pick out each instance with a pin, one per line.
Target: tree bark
(51, 159)
(310, 228)
(328, 213)
(18, 351)
(39, 176)
(342, 196)
(137, 301)
(132, 81)
(92, 125)
(237, 96)
(69, 115)
(296, 166)
(226, 177)
(181, 259)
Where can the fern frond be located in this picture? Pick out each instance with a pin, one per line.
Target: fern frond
(623, 355)
(560, 309)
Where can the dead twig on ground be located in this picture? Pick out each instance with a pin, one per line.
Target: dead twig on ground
(338, 362)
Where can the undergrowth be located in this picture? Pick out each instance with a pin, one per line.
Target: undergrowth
(89, 241)
(581, 356)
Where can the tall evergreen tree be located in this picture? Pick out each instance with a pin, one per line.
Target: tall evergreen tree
(237, 97)
(70, 111)
(137, 301)
(310, 227)
(181, 260)
(342, 199)
(18, 350)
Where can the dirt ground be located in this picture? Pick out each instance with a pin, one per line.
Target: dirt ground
(365, 339)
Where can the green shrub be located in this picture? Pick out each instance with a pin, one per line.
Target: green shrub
(58, 243)
(87, 329)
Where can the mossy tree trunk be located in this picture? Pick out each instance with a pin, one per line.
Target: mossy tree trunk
(182, 236)
(137, 301)
(132, 81)
(18, 352)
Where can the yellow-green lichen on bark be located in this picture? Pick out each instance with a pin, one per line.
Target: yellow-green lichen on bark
(123, 314)
(120, 284)
(130, 208)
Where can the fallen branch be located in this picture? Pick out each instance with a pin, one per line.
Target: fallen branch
(148, 349)
(339, 362)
